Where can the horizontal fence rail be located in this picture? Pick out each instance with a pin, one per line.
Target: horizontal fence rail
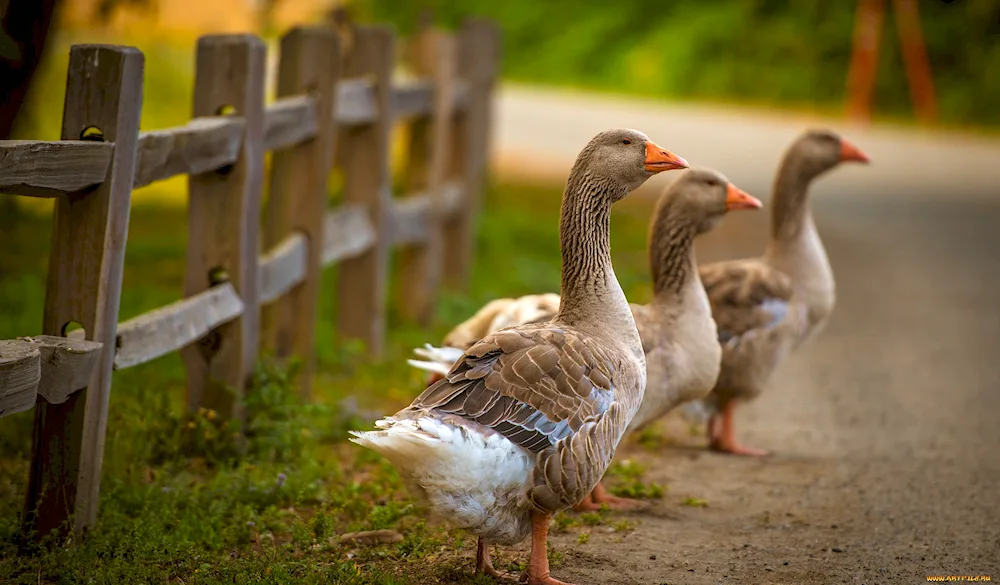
(53, 168)
(247, 288)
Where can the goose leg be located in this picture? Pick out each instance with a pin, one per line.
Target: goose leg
(599, 496)
(538, 565)
(722, 436)
(483, 562)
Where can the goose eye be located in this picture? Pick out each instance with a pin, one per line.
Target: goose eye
(626, 141)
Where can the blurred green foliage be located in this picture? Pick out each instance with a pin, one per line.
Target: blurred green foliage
(772, 52)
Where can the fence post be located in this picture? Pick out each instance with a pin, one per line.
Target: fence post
(478, 57)
(310, 63)
(103, 98)
(363, 153)
(224, 222)
(432, 53)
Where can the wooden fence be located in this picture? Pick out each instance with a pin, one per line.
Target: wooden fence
(336, 102)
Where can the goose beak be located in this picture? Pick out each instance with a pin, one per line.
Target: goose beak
(659, 159)
(737, 198)
(849, 152)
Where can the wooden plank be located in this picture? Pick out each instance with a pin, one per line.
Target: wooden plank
(415, 98)
(283, 268)
(170, 328)
(433, 53)
(291, 120)
(410, 217)
(200, 146)
(67, 364)
(451, 197)
(478, 61)
(103, 90)
(49, 169)
(310, 62)
(223, 220)
(356, 102)
(460, 99)
(409, 222)
(364, 157)
(20, 372)
(347, 233)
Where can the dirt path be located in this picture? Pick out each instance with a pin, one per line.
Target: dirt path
(886, 427)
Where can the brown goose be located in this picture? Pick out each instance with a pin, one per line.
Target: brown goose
(766, 307)
(529, 418)
(677, 331)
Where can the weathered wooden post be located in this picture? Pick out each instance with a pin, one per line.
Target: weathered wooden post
(310, 64)
(478, 58)
(363, 154)
(103, 102)
(432, 54)
(224, 222)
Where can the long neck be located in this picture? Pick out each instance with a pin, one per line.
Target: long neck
(590, 290)
(790, 209)
(671, 255)
(795, 246)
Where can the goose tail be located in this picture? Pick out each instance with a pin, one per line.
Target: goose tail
(438, 360)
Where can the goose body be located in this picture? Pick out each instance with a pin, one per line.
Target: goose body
(767, 307)
(527, 421)
(678, 334)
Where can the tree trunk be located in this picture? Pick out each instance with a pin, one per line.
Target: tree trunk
(25, 27)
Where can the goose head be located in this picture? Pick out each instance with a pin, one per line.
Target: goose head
(623, 158)
(702, 196)
(820, 150)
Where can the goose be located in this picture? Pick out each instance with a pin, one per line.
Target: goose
(766, 307)
(493, 316)
(678, 334)
(528, 420)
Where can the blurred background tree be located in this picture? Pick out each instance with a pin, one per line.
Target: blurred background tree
(770, 52)
(24, 27)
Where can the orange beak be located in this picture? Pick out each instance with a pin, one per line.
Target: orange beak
(659, 159)
(737, 198)
(849, 152)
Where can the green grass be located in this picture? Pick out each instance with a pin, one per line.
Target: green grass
(178, 502)
(626, 479)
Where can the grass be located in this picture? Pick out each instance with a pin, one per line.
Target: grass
(180, 504)
(628, 483)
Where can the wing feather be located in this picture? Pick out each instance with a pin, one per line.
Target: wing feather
(534, 385)
(745, 295)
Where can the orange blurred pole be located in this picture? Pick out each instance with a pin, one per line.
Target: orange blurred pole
(918, 67)
(864, 59)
